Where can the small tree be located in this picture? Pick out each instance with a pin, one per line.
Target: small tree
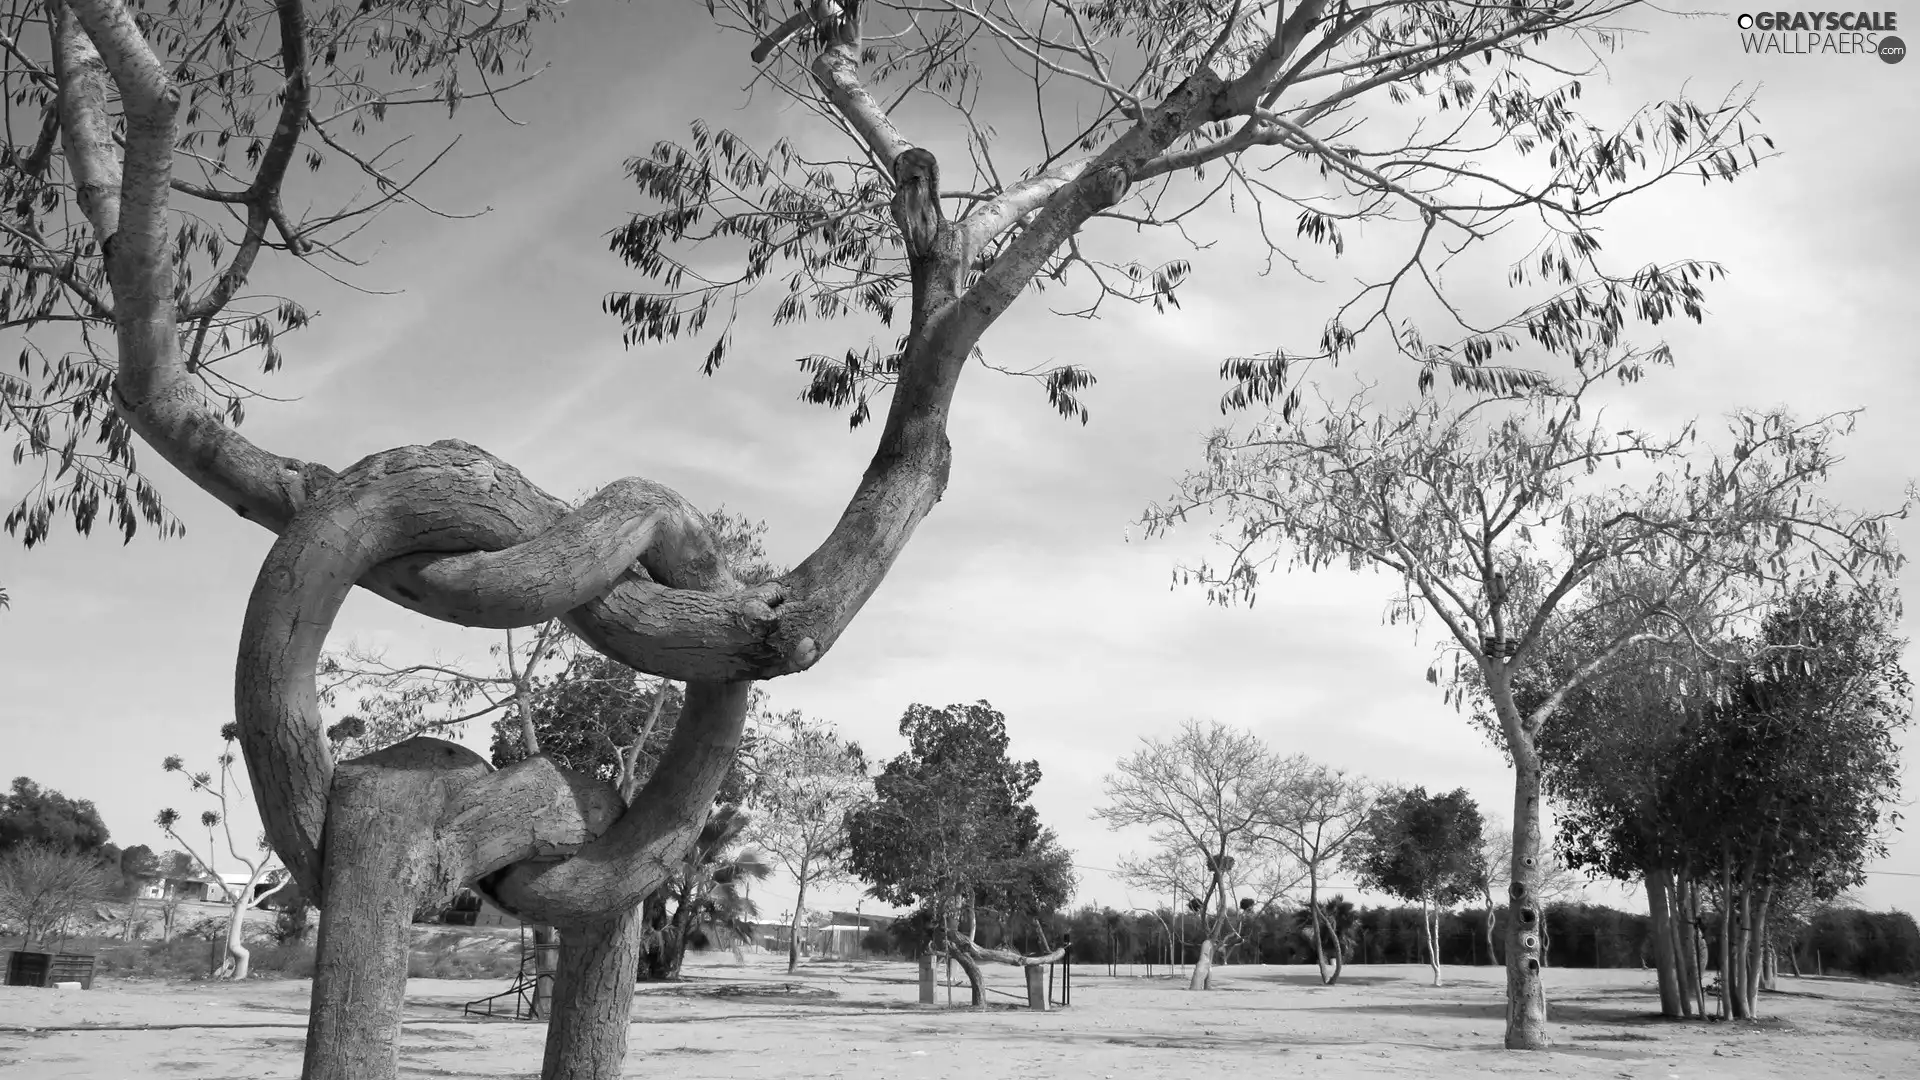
(1316, 814)
(1490, 512)
(42, 888)
(1424, 849)
(806, 782)
(1205, 793)
(710, 887)
(261, 866)
(952, 828)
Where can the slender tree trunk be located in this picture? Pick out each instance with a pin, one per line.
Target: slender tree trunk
(1429, 929)
(1493, 956)
(1684, 956)
(1742, 968)
(1727, 934)
(1202, 977)
(799, 918)
(239, 961)
(1697, 946)
(1793, 959)
(545, 963)
(1313, 908)
(593, 998)
(1546, 935)
(1660, 912)
(1526, 990)
(1756, 962)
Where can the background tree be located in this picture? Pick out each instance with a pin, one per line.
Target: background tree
(1788, 775)
(43, 888)
(262, 867)
(1170, 87)
(1316, 813)
(1770, 773)
(1205, 793)
(710, 888)
(952, 828)
(806, 781)
(30, 814)
(1489, 510)
(1423, 848)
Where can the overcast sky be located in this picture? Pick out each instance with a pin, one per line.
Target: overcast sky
(1023, 587)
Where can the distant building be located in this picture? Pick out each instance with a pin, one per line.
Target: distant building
(198, 889)
(844, 936)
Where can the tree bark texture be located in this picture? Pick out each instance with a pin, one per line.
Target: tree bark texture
(1660, 915)
(593, 998)
(1526, 990)
(799, 920)
(382, 859)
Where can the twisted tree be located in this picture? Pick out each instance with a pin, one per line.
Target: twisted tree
(156, 153)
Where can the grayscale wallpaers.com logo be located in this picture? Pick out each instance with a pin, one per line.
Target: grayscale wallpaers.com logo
(1810, 32)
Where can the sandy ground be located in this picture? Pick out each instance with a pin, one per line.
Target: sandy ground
(747, 1020)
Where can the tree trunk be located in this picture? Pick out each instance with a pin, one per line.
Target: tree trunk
(239, 961)
(379, 861)
(799, 919)
(1727, 934)
(1493, 954)
(653, 916)
(1313, 908)
(1430, 929)
(593, 998)
(545, 964)
(1526, 992)
(1756, 959)
(976, 980)
(1660, 912)
(1202, 977)
(1697, 947)
(1546, 936)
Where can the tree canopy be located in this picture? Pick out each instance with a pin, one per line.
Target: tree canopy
(952, 822)
(31, 814)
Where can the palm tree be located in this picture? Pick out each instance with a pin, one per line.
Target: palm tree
(710, 889)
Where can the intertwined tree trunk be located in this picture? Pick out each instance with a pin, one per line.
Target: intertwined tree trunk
(452, 532)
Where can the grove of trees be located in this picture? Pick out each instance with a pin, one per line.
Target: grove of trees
(1489, 509)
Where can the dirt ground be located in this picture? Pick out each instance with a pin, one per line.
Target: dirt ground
(741, 1020)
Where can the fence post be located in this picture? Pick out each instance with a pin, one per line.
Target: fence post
(1036, 989)
(926, 977)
